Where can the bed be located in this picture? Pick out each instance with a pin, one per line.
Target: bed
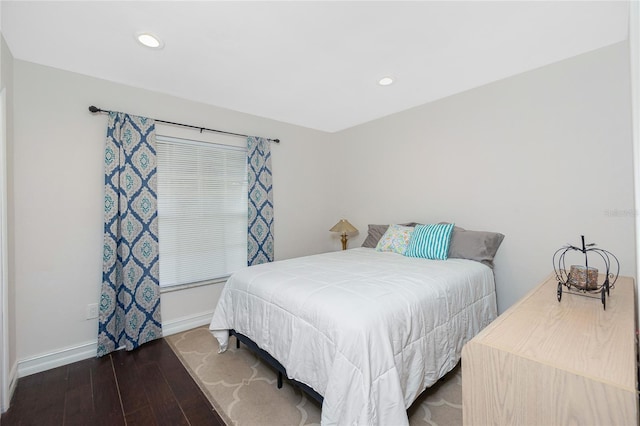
(366, 330)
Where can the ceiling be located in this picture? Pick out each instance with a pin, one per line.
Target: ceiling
(311, 63)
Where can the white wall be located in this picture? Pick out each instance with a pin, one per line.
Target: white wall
(58, 163)
(9, 363)
(634, 54)
(542, 157)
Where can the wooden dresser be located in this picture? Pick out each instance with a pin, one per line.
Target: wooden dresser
(544, 362)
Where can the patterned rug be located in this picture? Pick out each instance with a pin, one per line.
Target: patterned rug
(243, 389)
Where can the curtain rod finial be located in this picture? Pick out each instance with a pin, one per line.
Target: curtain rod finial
(94, 109)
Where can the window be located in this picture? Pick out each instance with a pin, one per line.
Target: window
(202, 210)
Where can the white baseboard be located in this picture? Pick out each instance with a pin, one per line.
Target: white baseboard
(87, 350)
(58, 358)
(186, 323)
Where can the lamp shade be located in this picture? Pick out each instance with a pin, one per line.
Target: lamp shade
(343, 227)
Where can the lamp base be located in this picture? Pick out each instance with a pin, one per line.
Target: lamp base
(344, 241)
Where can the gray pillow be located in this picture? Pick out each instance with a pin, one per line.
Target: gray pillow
(376, 232)
(474, 245)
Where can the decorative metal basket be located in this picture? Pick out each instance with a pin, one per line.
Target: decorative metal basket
(586, 280)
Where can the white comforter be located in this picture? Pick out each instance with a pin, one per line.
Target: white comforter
(367, 330)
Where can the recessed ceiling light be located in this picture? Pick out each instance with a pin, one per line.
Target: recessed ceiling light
(149, 40)
(385, 81)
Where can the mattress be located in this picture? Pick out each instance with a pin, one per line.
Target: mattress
(367, 330)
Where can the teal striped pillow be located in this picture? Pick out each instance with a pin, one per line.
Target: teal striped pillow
(430, 241)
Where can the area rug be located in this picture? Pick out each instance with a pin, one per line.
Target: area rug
(243, 389)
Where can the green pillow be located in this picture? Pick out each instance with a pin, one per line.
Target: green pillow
(430, 241)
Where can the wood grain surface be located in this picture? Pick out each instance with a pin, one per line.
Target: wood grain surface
(555, 363)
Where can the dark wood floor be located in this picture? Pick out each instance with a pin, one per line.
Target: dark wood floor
(147, 386)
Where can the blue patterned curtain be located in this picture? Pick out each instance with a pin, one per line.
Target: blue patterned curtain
(260, 232)
(130, 301)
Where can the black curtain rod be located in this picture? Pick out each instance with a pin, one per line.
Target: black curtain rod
(95, 109)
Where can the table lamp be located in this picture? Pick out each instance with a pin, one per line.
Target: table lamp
(344, 227)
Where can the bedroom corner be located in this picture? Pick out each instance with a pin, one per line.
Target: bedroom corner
(634, 53)
(8, 358)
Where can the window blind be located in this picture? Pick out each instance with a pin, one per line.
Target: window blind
(202, 210)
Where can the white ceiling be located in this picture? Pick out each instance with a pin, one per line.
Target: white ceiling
(314, 64)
